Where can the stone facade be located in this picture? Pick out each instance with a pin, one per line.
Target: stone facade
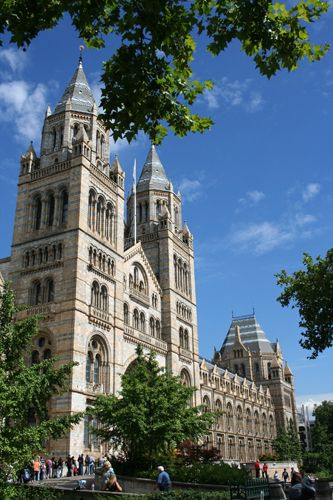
(102, 291)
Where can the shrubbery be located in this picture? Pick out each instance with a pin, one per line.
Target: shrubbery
(204, 474)
(22, 492)
(184, 495)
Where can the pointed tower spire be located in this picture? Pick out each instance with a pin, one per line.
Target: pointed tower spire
(153, 174)
(77, 92)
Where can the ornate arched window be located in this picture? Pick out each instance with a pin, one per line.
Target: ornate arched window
(248, 421)
(95, 294)
(230, 418)
(96, 364)
(256, 423)
(49, 290)
(136, 319)
(158, 330)
(219, 417)
(42, 349)
(142, 322)
(271, 426)
(206, 404)
(104, 298)
(50, 209)
(264, 425)
(91, 209)
(64, 207)
(239, 419)
(34, 357)
(185, 378)
(126, 313)
(181, 337)
(88, 367)
(152, 327)
(36, 293)
(37, 212)
(186, 342)
(97, 368)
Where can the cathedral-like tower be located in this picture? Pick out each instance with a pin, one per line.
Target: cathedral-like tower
(67, 250)
(168, 245)
(247, 352)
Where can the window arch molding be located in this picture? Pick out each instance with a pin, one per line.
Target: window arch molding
(97, 362)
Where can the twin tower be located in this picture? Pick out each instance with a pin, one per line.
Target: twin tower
(75, 261)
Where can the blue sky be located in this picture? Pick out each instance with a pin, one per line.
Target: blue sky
(257, 188)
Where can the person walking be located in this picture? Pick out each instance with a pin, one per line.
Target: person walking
(257, 468)
(285, 475)
(265, 471)
(48, 464)
(86, 463)
(69, 465)
(91, 464)
(163, 479)
(42, 469)
(276, 476)
(36, 467)
(60, 467)
(81, 463)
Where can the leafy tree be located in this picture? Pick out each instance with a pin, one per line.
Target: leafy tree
(152, 414)
(321, 459)
(24, 390)
(287, 445)
(148, 78)
(310, 290)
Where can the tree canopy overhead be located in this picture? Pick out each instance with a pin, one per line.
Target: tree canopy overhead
(148, 82)
(310, 290)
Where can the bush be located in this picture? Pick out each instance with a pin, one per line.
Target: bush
(184, 495)
(203, 473)
(26, 492)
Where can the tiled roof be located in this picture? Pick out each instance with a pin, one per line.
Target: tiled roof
(79, 92)
(153, 175)
(252, 335)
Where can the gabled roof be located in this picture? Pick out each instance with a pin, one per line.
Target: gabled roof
(251, 334)
(116, 168)
(135, 250)
(78, 92)
(153, 175)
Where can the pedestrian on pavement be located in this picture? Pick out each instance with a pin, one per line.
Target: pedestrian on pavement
(69, 465)
(60, 467)
(257, 468)
(285, 475)
(86, 463)
(81, 463)
(276, 476)
(48, 464)
(42, 469)
(163, 479)
(36, 467)
(265, 471)
(54, 467)
(91, 464)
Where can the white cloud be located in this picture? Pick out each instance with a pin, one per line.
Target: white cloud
(303, 219)
(23, 104)
(234, 94)
(310, 191)
(260, 238)
(190, 189)
(252, 197)
(15, 58)
(311, 400)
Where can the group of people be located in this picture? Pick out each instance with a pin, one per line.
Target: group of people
(50, 468)
(263, 471)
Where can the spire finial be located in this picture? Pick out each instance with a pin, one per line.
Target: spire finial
(81, 51)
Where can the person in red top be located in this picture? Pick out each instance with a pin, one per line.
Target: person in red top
(264, 471)
(257, 468)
